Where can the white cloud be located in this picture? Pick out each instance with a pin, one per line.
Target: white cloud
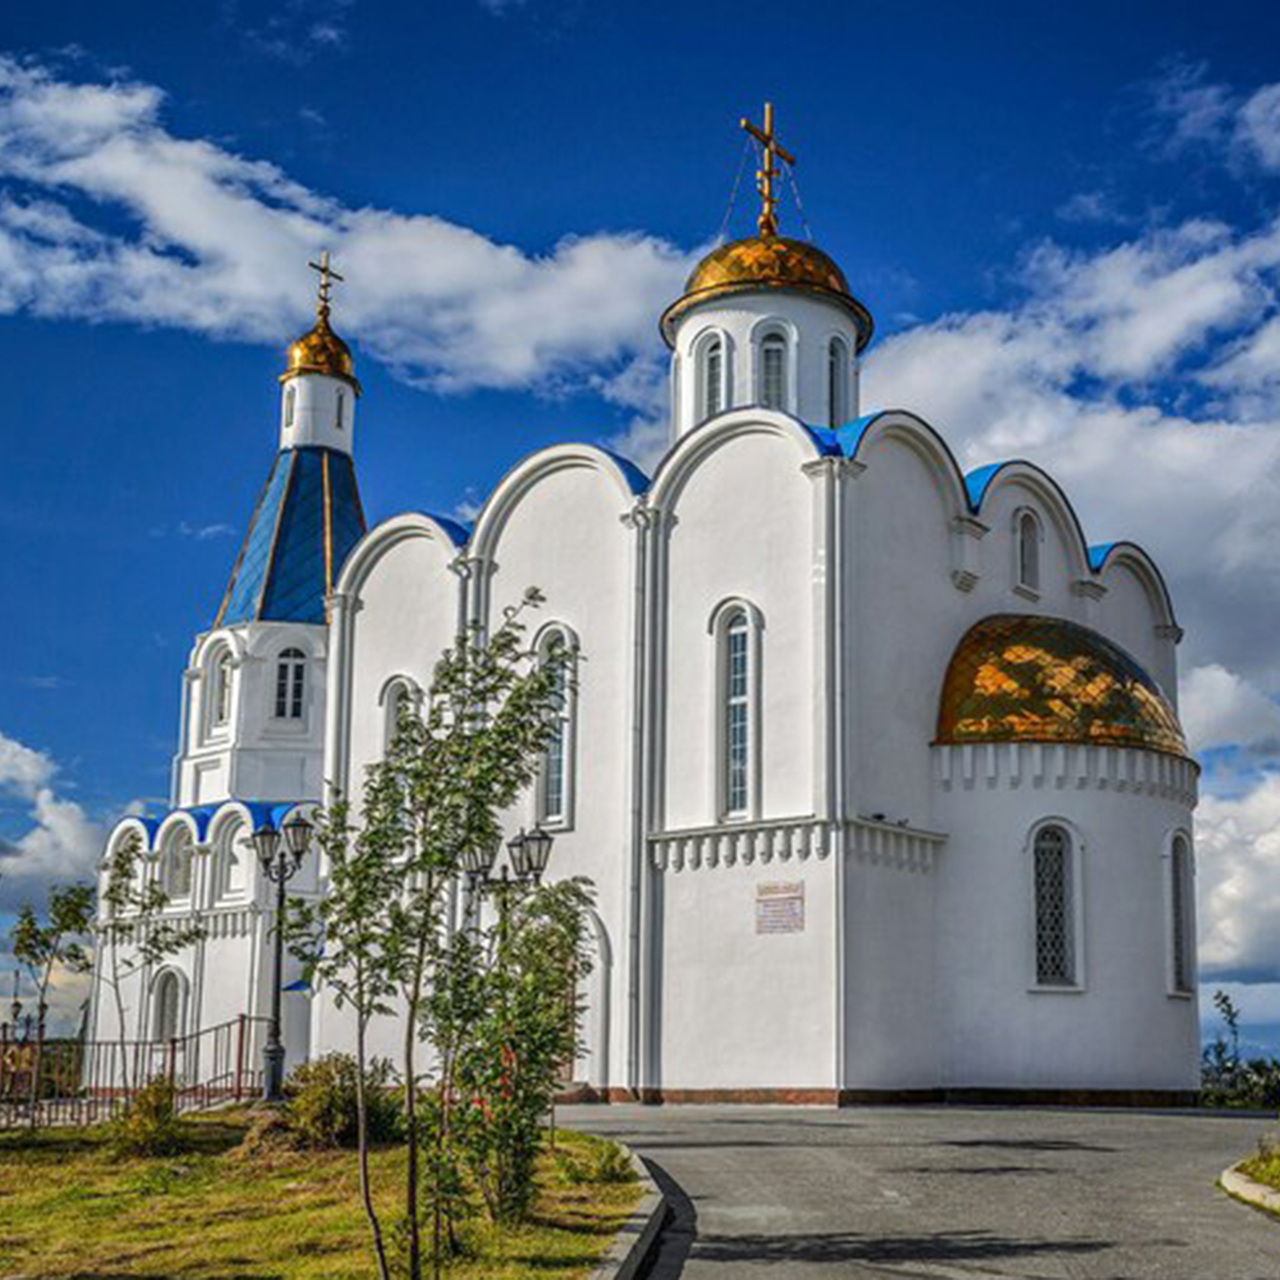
(1219, 708)
(61, 844)
(1238, 861)
(218, 243)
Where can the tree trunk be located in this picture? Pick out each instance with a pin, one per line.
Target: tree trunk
(362, 1146)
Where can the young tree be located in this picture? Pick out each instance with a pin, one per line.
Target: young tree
(484, 725)
(351, 939)
(385, 935)
(58, 942)
(525, 1036)
(131, 930)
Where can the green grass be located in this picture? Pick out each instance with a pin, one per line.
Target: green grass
(1264, 1169)
(67, 1209)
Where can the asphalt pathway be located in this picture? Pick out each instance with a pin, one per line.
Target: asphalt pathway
(949, 1193)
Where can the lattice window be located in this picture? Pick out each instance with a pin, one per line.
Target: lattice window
(1055, 921)
(177, 869)
(1180, 913)
(168, 1006)
(712, 378)
(773, 372)
(291, 674)
(555, 762)
(1028, 551)
(737, 720)
(221, 709)
(837, 382)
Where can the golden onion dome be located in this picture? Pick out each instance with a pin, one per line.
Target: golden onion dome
(320, 350)
(1021, 678)
(767, 262)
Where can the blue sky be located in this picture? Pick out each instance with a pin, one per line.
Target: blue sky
(1063, 218)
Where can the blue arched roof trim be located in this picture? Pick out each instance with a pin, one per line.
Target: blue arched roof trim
(1098, 554)
(635, 478)
(458, 531)
(978, 481)
(842, 442)
(268, 813)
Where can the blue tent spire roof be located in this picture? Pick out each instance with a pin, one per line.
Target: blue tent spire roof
(307, 520)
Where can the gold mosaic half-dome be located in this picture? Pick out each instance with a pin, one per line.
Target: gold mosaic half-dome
(1023, 678)
(320, 350)
(767, 262)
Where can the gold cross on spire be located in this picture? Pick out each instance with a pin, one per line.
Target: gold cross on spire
(772, 151)
(327, 276)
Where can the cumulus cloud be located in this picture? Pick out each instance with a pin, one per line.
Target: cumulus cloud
(61, 843)
(1238, 860)
(106, 215)
(1221, 709)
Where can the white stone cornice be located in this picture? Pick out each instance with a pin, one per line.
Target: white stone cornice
(966, 554)
(1170, 631)
(1088, 588)
(793, 839)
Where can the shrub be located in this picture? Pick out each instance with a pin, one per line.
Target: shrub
(320, 1104)
(149, 1126)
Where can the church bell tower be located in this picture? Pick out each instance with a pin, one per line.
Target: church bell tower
(253, 701)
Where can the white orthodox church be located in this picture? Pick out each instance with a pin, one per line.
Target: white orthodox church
(875, 764)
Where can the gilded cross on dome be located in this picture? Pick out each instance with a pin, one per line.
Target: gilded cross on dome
(327, 276)
(772, 150)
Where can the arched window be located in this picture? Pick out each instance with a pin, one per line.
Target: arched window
(290, 404)
(167, 1006)
(291, 676)
(773, 371)
(230, 861)
(711, 385)
(555, 779)
(736, 627)
(1056, 960)
(340, 417)
(1181, 936)
(1028, 551)
(176, 868)
(220, 694)
(837, 382)
(398, 696)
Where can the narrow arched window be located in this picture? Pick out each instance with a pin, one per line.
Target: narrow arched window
(837, 382)
(291, 677)
(340, 417)
(773, 371)
(737, 713)
(1055, 909)
(555, 788)
(290, 404)
(712, 378)
(175, 871)
(1181, 940)
(229, 862)
(1028, 551)
(220, 704)
(167, 1017)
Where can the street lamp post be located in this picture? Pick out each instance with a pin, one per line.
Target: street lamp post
(279, 855)
(530, 851)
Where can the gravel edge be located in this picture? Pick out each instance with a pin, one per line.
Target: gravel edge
(639, 1233)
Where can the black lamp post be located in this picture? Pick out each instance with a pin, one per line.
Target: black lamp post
(280, 855)
(530, 851)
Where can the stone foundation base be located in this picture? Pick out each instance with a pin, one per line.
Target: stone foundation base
(823, 1097)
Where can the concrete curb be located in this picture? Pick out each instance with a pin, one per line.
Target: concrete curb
(639, 1233)
(1241, 1187)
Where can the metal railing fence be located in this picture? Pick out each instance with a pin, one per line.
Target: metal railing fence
(86, 1081)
